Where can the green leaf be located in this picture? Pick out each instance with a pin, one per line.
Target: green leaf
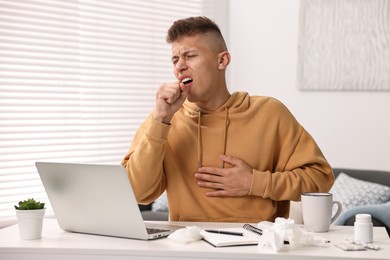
(29, 204)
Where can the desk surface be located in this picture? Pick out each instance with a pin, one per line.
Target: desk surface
(58, 244)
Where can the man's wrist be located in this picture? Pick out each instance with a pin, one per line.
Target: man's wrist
(164, 120)
(157, 130)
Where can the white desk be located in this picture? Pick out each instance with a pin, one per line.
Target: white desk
(57, 244)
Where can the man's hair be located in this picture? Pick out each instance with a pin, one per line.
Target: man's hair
(192, 26)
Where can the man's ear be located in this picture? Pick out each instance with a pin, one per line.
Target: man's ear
(224, 60)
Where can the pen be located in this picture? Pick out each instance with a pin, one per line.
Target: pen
(225, 232)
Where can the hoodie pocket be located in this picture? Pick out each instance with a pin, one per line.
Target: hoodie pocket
(225, 219)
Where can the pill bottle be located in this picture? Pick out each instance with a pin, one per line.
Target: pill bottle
(363, 228)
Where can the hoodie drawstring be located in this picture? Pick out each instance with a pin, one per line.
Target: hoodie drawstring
(224, 141)
(200, 148)
(225, 135)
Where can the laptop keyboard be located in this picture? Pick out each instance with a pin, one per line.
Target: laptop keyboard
(155, 230)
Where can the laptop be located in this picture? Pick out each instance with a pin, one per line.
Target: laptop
(96, 199)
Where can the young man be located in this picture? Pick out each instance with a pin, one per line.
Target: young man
(220, 156)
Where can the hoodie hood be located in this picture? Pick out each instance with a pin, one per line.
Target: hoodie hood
(238, 101)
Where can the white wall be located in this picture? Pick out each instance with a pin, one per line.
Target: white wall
(352, 128)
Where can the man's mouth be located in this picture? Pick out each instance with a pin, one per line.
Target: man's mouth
(186, 80)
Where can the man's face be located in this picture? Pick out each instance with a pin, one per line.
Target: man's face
(193, 57)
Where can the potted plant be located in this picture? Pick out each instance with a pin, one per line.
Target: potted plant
(30, 215)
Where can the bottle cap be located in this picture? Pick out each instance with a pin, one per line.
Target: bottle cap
(363, 217)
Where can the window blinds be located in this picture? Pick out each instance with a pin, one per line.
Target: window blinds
(77, 77)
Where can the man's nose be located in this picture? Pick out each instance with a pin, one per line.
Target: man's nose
(180, 65)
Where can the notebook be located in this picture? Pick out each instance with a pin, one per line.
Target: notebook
(224, 239)
(96, 199)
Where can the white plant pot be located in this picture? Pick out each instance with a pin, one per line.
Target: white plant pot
(30, 223)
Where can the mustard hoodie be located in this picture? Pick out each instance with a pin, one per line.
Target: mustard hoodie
(261, 131)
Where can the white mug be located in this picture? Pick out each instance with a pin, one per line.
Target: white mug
(317, 210)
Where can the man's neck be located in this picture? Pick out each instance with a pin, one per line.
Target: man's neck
(216, 102)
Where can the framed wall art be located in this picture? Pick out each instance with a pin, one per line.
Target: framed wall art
(344, 45)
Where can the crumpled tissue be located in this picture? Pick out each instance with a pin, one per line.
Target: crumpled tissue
(286, 230)
(186, 235)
